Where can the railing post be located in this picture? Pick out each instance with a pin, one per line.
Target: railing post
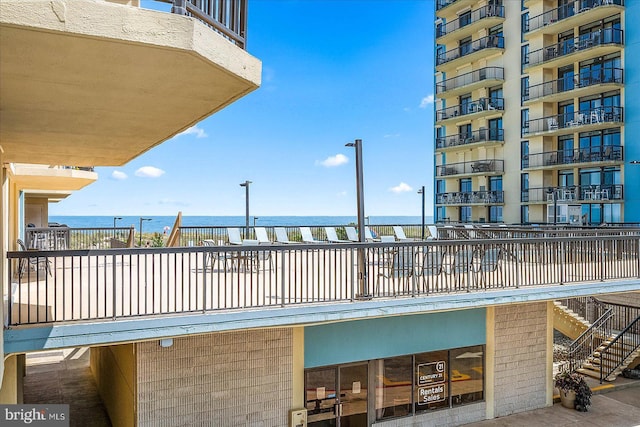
(114, 277)
(518, 266)
(601, 254)
(179, 7)
(562, 263)
(204, 275)
(282, 278)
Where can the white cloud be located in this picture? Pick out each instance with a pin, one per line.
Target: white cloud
(401, 188)
(119, 175)
(149, 172)
(392, 135)
(333, 161)
(342, 194)
(427, 100)
(194, 130)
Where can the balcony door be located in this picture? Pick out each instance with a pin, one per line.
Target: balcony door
(337, 396)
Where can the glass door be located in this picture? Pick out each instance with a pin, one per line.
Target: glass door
(353, 396)
(321, 397)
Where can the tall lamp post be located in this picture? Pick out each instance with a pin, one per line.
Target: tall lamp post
(255, 218)
(362, 279)
(246, 199)
(421, 191)
(142, 219)
(116, 218)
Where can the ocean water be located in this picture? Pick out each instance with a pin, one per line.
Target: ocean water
(158, 223)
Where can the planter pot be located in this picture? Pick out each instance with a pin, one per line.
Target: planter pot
(568, 398)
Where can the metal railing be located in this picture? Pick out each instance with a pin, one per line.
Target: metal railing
(488, 42)
(227, 17)
(619, 349)
(63, 238)
(565, 11)
(443, 3)
(569, 194)
(489, 11)
(466, 79)
(607, 36)
(601, 153)
(584, 79)
(470, 197)
(583, 347)
(481, 135)
(477, 106)
(595, 116)
(117, 284)
(477, 166)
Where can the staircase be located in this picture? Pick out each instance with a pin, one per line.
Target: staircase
(598, 349)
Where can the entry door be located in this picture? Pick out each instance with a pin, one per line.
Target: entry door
(337, 396)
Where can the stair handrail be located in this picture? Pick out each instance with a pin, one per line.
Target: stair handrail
(581, 305)
(583, 346)
(633, 331)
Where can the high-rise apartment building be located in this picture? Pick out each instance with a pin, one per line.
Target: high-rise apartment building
(533, 112)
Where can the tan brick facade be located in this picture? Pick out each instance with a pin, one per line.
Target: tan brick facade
(520, 358)
(228, 379)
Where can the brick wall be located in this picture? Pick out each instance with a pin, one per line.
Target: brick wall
(520, 358)
(227, 379)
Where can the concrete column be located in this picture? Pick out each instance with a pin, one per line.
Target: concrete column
(4, 232)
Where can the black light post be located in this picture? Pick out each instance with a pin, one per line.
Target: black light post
(116, 218)
(142, 219)
(363, 292)
(246, 199)
(422, 192)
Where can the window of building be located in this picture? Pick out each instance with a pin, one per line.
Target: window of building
(465, 102)
(524, 25)
(565, 178)
(495, 183)
(464, 19)
(441, 214)
(524, 89)
(524, 187)
(495, 214)
(465, 213)
(524, 214)
(611, 213)
(495, 127)
(465, 131)
(524, 121)
(464, 46)
(565, 78)
(465, 185)
(565, 149)
(524, 57)
(566, 113)
(524, 154)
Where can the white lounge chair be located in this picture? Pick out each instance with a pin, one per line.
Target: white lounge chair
(261, 235)
(234, 236)
(433, 231)
(387, 239)
(368, 235)
(399, 231)
(281, 236)
(351, 234)
(332, 236)
(307, 237)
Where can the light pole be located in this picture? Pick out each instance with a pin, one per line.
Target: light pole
(142, 219)
(255, 218)
(552, 192)
(421, 191)
(362, 279)
(246, 199)
(116, 218)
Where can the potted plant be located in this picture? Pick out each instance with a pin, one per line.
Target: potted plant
(574, 391)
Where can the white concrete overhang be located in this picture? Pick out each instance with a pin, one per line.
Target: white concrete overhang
(94, 83)
(46, 337)
(55, 181)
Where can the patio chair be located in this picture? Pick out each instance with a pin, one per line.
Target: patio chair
(369, 235)
(307, 236)
(281, 236)
(462, 266)
(552, 123)
(433, 232)
(213, 257)
(332, 235)
(490, 265)
(387, 239)
(352, 236)
(399, 232)
(36, 263)
(399, 266)
(432, 266)
(234, 236)
(261, 235)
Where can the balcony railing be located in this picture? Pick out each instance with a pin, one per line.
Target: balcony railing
(440, 4)
(607, 36)
(584, 79)
(488, 42)
(158, 282)
(489, 11)
(67, 238)
(596, 116)
(479, 105)
(601, 153)
(477, 166)
(470, 197)
(227, 17)
(585, 193)
(477, 136)
(565, 11)
(486, 73)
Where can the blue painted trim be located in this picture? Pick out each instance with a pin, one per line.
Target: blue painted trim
(361, 340)
(34, 338)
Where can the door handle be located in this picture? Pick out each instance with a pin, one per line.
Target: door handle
(337, 409)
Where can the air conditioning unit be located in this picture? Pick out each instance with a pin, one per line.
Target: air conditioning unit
(298, 418)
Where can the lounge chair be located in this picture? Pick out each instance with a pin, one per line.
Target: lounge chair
(352, 235)
(397, 273)
(432, 266)
(399, 231)
(332, 236)
(234, 236)
(281, 236)
(261, 235)
(387, 239)
(369, 236)
(307, 237)
(433, 231)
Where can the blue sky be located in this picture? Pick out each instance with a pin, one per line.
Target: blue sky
(333, 71)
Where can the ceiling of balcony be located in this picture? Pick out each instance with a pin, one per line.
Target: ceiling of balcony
(97, 84)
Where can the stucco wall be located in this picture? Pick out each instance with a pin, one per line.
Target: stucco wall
(520, 358)
(226, 379)
(113, 368)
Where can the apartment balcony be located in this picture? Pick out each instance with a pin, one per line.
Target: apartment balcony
(475, 109)
(98, 83)
(481, 78)
(482, 137)
(460, 4)
(580, 121)
(476, 167)
(589, 45)
(483, 17)
(604, 193)
(470, 52)
(584, 84)
(602, 155)
(571, 15)
(466, 198)
(53, 182)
